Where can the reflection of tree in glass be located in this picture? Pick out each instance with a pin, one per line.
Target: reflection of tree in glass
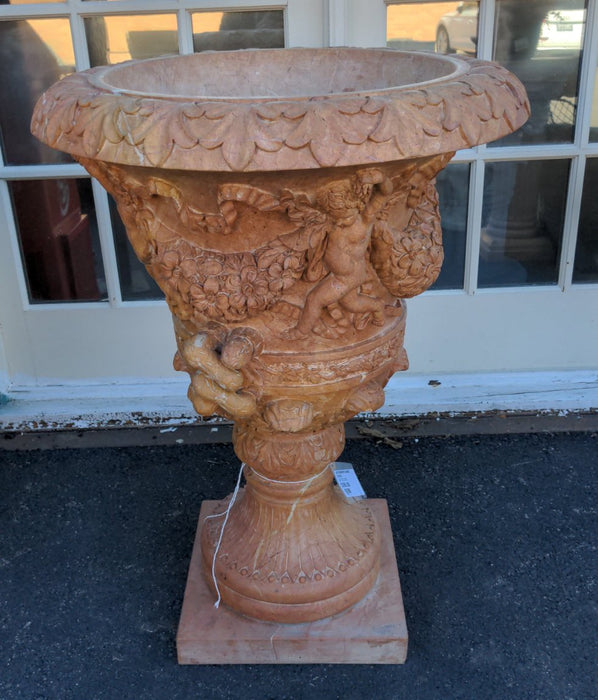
(529, 40)
(29, 67)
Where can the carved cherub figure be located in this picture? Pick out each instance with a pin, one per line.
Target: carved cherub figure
(350, 206)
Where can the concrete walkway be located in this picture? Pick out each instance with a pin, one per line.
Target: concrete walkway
(496, 540)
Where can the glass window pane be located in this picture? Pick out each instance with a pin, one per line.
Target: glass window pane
(117, 38)
(444, 27)
(228, 31)
(594, 115)
(58, 236)
(135, 282)
(522, 222)
(34, 54)
(453, 193)
(586, 254)
(541, 43)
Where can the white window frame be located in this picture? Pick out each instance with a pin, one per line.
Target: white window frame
(435, 351)
(296, 33)
(31, 356)
(576, 152)
(555, 325)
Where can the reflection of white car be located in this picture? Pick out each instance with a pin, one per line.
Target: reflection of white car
(562, 30)
(458, 30)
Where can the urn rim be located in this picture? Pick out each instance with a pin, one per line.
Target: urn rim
(113, 78)
(470, 102)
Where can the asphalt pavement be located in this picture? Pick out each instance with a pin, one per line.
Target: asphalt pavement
(496, 540)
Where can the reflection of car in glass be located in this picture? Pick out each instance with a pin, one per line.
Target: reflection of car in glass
(458, 30)
(562, 30)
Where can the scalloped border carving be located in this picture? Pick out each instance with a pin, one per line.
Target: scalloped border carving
(480, 105)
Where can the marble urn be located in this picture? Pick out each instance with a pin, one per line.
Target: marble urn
(285, 202)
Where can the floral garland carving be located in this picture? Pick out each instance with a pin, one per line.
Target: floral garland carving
(482, 103)
(334, 223)
(226, 287)
(408, 262)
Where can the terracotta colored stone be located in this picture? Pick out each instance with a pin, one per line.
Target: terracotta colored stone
(284, 201)
(372, 631)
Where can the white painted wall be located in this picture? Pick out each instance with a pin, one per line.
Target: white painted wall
(519, 330)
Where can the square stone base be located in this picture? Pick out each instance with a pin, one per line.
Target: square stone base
(373, 631)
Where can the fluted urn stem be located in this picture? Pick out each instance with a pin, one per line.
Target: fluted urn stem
(293, 551)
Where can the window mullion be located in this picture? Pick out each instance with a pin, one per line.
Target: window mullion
(185, 31)
(587, 75)
(55, 9)
(474, 224)
(485, 48)
(571, 222)
(531, 152)
(102, 7)
(107, 243)
(230, 5)
(13, 241)
(42, 171)
(486, 30)
(79, 41)
(337, 23)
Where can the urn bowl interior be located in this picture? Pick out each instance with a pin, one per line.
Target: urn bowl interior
(277, 73)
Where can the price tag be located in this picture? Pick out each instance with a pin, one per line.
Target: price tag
(347, 480)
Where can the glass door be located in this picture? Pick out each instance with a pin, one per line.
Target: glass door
(519, 288)
(76, 305)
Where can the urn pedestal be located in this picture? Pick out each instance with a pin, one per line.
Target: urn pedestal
(284, 201)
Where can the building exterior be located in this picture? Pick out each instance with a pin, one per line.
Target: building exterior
(511, 323)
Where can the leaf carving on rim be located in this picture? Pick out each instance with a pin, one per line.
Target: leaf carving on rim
(481, 105)
(495, 73)
(94, 124)
(158, 143)
(238, 147)
(452, 114)
(59, 119)
(397, 122)
(189, 118)
(223, 125)
(213, 132)
(269, 132)
(374, 105)
(270, 111)
(358, 128)
(295, 110)
(471, 127)
(86, 120)
(501, 107)
(386, 127)
(327, 130)
(352, 105)
(303, 132)
(206, 124)
(517, 89)
(133, 121)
